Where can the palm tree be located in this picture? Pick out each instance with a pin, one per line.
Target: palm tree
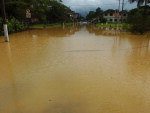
(140, 2)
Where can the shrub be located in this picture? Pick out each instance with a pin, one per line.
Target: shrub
(14, 26)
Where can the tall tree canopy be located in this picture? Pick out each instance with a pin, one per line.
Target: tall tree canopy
(140, 2)
(43, 10)
(94, 14)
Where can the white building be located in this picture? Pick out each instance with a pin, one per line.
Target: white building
(115, 16)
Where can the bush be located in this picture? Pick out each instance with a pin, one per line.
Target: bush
(14, 26)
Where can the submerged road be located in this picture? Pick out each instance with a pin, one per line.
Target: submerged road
(76, 69)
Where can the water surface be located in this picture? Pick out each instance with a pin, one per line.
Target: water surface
(75, 69)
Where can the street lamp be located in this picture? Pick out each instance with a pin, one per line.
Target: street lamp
(5, 22)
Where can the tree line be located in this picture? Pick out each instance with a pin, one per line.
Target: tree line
(42, 11)
(96, 14)
(138, 18)
(140, 2)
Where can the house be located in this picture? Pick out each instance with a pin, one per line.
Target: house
(115, 16)
(73, 16)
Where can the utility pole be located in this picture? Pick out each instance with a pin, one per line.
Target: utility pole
(118, 15)
(5, 22)
(122, 10)
(122, 5)
(119, 6)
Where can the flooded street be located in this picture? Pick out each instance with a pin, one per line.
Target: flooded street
(76, 69)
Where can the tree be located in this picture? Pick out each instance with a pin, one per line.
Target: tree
(139, 19)
(96, 16)
(19, 10)
(140, 2)
(90, 15)
(58, 12)
(42, 10)
(99, 12)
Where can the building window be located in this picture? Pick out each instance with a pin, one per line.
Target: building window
(105, 14)
(115, 20)
(124, 14)
(111, 14)
(110, 20)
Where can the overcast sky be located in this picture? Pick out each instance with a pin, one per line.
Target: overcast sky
(84, 6)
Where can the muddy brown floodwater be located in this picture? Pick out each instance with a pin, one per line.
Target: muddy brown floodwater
(77, 69)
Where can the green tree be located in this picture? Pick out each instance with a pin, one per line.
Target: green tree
(140, 2)
(16, 9)
(58, 12)
(43, 10)
(91, 15)
(99, 12)
(139, 18)
(97, 16)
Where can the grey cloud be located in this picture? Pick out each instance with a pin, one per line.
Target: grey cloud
(84, 6)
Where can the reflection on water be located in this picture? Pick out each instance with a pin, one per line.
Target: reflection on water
(75, 70)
